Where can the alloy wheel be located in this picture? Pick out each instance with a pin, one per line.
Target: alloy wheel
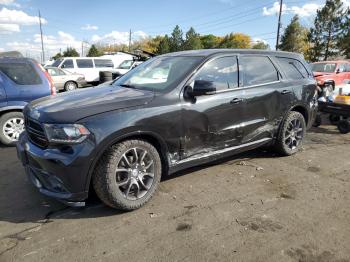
(135, 173)
(294, 134)
(13, 128)
(70, 86)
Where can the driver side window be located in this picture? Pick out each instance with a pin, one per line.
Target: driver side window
(68, 64)
(223, 72)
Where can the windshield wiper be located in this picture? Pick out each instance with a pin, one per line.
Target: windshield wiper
(127, 86)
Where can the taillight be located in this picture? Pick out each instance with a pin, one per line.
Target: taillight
(52, 87)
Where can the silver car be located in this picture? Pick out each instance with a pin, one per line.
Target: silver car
(64, 80)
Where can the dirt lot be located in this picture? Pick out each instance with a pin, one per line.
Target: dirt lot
(252, 207)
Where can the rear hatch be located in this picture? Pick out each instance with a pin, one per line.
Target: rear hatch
(25, 80)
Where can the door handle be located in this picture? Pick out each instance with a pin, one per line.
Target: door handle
(236, 101)
(286, 92)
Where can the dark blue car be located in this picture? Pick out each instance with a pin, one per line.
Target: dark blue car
(21, 81)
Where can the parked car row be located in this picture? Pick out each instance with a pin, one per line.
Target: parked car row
(91, 67)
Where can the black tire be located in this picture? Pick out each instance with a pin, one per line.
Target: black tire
(334, 119)
(344, 126)
(318, 121)
(106, 177)
(4, 138)
(70, 86)
(284, 144)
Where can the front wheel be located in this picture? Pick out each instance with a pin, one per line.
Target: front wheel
(291, 134)
(128, 174)
(70, 86)
(11, 126)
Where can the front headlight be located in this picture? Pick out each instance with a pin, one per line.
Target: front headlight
(66, 133)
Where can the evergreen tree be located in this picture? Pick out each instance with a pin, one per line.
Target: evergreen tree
(294, 38)
(176, 40)
(345, 36)
(57, 56)
(70, 52)
(325, 36)
(93, 51)
(192, 40)
(164, 45)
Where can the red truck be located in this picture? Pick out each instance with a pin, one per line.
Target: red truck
(331, 72)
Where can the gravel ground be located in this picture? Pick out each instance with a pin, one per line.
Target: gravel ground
(252, 207)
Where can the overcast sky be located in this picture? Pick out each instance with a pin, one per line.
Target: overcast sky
(68, 22)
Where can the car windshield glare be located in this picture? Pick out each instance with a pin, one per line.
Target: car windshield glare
(324, 67)
(159, 73)
(126, 64)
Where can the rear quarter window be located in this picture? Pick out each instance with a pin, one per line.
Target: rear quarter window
(293, 68)
(21, 73)
(103, 63)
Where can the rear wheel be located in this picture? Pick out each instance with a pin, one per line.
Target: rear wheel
(70, 86)
(344, 126)
(128, 174)
(291, 134)
(11, 126)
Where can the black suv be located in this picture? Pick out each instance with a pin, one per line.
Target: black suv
(172, 112)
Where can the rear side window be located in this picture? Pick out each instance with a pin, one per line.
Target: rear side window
(223, 72)
(293, 68)
(341, 68)
(21, 73)
(68, 64)
(84, 63)
(257, 70)
(103, 63)
(347, 67)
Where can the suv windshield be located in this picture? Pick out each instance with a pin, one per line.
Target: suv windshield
(125, 64)
(323, 67)
(57, 62)
(159, 73)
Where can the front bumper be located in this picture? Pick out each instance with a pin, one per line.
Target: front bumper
(60, 173)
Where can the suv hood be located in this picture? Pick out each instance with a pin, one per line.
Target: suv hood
(72, 106)
(318, 74)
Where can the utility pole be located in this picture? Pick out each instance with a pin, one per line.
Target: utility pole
(42, 41)
(130, 40)
(82, 48)
(279, 25)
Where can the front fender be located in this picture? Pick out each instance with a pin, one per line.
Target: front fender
(120, 135)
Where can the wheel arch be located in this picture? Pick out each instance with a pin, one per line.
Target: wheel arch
(10, 109)
(302, 110)
(150, 137)
(72, 81)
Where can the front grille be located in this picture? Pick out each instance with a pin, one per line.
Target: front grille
(36, 133)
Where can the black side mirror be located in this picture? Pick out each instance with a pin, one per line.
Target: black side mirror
(203, 87)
